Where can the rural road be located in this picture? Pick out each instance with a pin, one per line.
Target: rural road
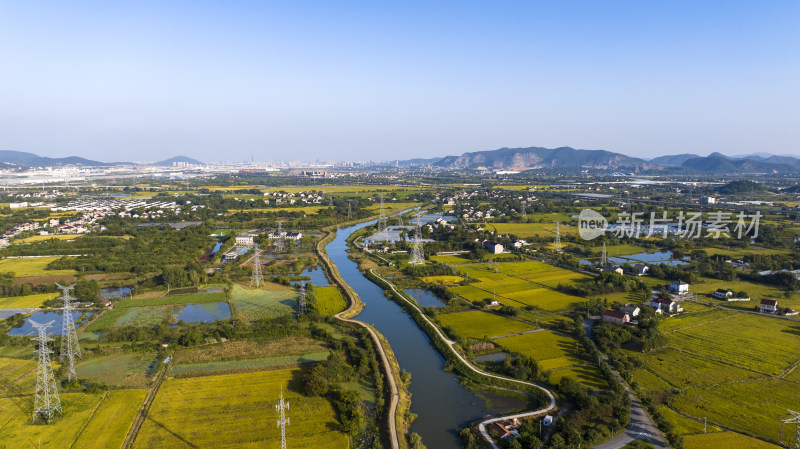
(641, 426)
(451, 346)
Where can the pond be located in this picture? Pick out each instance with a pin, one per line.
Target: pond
(216, 248)
(425, 298)
(43, 317)
(655, 258)
(114, 292)
(493, 357)
(204, 313)
(317, 275)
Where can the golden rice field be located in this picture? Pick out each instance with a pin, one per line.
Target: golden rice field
(32, 266)
(13, 369)
(443, 279)
(330, 300)
(558, 353)
(450, 259)
(26, 302)
(238, 411)
(527, 230)
(724, 440)
(45, 238)
(478, 324)
(18, 432)
(112, 421)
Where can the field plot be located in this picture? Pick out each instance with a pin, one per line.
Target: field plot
(724, 440)
(450, 259)
(32, 266)
(556, 352)
(686, 426)
(18, 432)
(112, 421)
(526, 230)
(757, 292)
(255, 304)
(45, 238)
(228, 411)
(478, 324)
(443, 279)
(248, 364)
(682, 370)
(13, 369)
(26, 302)
(124, 369)
(330, 300)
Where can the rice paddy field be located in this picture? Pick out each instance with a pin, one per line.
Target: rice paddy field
(478, 324)
(27, 301)
(757, 292)
(443, 279)
(237, 411)
(32, 266)
(738, 370)
(559, 353)
(112, 421)
(269, 302)
(44, 238)
(527, 230)
(724, 440)
(12, 369)
(454, 259)
(123, 369)
(330, 300)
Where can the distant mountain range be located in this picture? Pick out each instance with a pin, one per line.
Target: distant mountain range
(566, 158)
(22, 159)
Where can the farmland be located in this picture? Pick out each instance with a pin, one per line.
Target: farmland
(556, 352)
(254, 304)
(32, 266)
(724, 440)
(27, 301)
(13, 369)
(124, 369)
(18, 431)
(478, 324)
(228, 411)
(443, 279)
(330, 300)
(42, 238)
(112, 420)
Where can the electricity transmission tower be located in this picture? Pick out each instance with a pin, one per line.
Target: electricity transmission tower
(795, 419)
(523, 209)
(604, 256)
(301, 300)
(69, 337)
(349, 209)
(557, 242)
(283, 421)
(417, 257)
(256, 278)
(381, 220)
(46, 403)
(279, 243)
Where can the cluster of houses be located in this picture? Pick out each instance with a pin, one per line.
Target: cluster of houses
(509, 428)
(111, 204)
(628, 313)
(85, 223)
(291, 198)
(638, 269)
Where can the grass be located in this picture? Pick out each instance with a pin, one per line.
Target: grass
(112, 421)
(18, 432)
(254, 304)
(556, 352)
(27, 301)
(450, 259)
(229, 411)
(479, 324)
(330, 300)
(32, 267)
(685, 426)
(192, 298)
(724, 440)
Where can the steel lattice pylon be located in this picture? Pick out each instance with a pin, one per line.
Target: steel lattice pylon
(279, 243)
(301, 299)
(257, 278)
(795, 419)
(604, 256)
(557, 242)
(70, 349)
(283, 421)
(417, 256)
(46, 402)
(381, 221)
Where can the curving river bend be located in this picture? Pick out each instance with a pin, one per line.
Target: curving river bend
(440, 402)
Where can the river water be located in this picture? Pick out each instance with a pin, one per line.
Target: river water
(443, 406)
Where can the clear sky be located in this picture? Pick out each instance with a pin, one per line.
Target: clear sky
(338, 80)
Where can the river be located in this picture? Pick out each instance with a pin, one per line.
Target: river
(442, 405)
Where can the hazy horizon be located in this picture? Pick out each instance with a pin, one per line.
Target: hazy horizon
(363, 81)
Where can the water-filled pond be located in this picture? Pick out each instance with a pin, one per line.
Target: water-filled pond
(43, 317)
(204, 313)
(317, 275)
(114, 292)
(425, 298)
(493, 357)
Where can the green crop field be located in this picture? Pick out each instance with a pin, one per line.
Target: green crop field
(264, 362)
(32, 266)
(556, 352)
(683, 370)
(112, 421)
(18, 432)
(686, 426)
(125, 369)
(724, 440)
(231, 411)
(450, 259)
(527, 230)
(479, 324)
(26, 302)
(191, 298)
(330, 300)
(254, 304)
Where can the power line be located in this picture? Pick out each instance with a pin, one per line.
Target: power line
(46, 402)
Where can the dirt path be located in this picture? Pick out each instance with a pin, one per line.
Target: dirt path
(142, 415)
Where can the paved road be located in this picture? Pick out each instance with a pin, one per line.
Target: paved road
(641, 426)
(451, 346)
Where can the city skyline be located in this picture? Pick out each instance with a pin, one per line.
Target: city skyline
(358, 81)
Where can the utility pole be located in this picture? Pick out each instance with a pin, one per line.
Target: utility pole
(283, 421)
(46, 402)
(69, 337)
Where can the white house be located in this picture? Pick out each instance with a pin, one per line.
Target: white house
(769, 306)
(679, 287)
(293, 236)
(612, 316)
(632, 310)
(665, 306)
(244, 240)
(723, 294)
(493, 247)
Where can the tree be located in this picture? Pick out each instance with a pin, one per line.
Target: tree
(315, 382)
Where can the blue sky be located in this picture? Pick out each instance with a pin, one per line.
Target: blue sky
(386, 80)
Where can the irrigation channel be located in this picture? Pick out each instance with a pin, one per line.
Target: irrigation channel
(442, 404)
